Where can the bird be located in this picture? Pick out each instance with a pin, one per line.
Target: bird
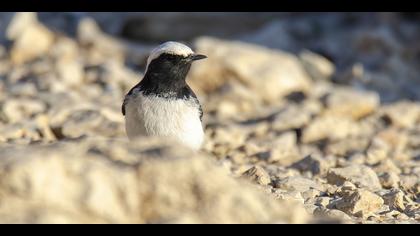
(162, 104)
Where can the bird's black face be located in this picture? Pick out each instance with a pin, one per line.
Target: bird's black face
(175, 66)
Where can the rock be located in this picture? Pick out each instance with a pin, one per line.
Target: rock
(234, 136)
(402, 114)
(322, 201)
(89, 33)
(297, 183)
(250, 149)
(17, 109)
(65, 48)
(389, 180)
(360, 175)
(351, 103)
(90, 122)
(361, 203)
(377, 151)
(291, 117)
(293, 196)
(281, 150)
(11, 132)
(348, 147)
(332, 213)
(395, 200)
(387, 165)
(70, 72)
(320, 129)
(82, 182)
(271, 74)
(258, 174)
(30, 38)
(310, 194)
(45, 129)
(317, 66)
(409, 182)
(313, 163)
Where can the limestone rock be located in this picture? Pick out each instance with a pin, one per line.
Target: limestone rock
(360, 175)
(313, 163)
(297, 183)
(258, 174)
(351, 103)
(95, 182)
(317, 66)
(30, 38)
(320, 129)
(402, 114)
(269, 73)
(395, 199)
(360, 203)
(389, 180)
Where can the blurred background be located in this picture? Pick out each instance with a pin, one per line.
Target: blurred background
(276, 88)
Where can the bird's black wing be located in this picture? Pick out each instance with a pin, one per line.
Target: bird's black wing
(192, 94)
(127, 97)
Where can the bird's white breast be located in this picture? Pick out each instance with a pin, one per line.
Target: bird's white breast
(157, 116)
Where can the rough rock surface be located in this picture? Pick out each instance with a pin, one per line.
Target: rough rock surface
(360, 175)
(142, 182)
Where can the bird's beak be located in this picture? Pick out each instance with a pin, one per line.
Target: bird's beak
(195, 57)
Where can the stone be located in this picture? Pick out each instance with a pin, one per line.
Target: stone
(402, 114)
(90, 182)
(320, 129)
(310, 194)
(352, 103)
(90, 122)
(281, 149)
(313, 163)
(234, 136)
(377, 151)
(70, 72)
(389, 180)
(270, 73)
(347, 147)
(396, 139)
(258, 175)
(297, 183)
(11, 132)
(291, 117)
(322, 201)
(30, 38)
(45, 128)
(294, 196)
(361, 203)
(395, 200)
(17, 109)
(317, 66)
(360, 175)
(89, 33)
(387, 165)
(333, 213)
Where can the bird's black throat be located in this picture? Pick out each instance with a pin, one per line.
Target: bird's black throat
(165, 77)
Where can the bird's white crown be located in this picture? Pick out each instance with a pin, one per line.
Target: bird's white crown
(170, 47)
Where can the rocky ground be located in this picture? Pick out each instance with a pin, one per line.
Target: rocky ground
(308, 119)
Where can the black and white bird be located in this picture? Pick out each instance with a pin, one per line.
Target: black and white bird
(162, 104)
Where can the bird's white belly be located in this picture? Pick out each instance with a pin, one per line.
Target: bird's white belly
(173, 118)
